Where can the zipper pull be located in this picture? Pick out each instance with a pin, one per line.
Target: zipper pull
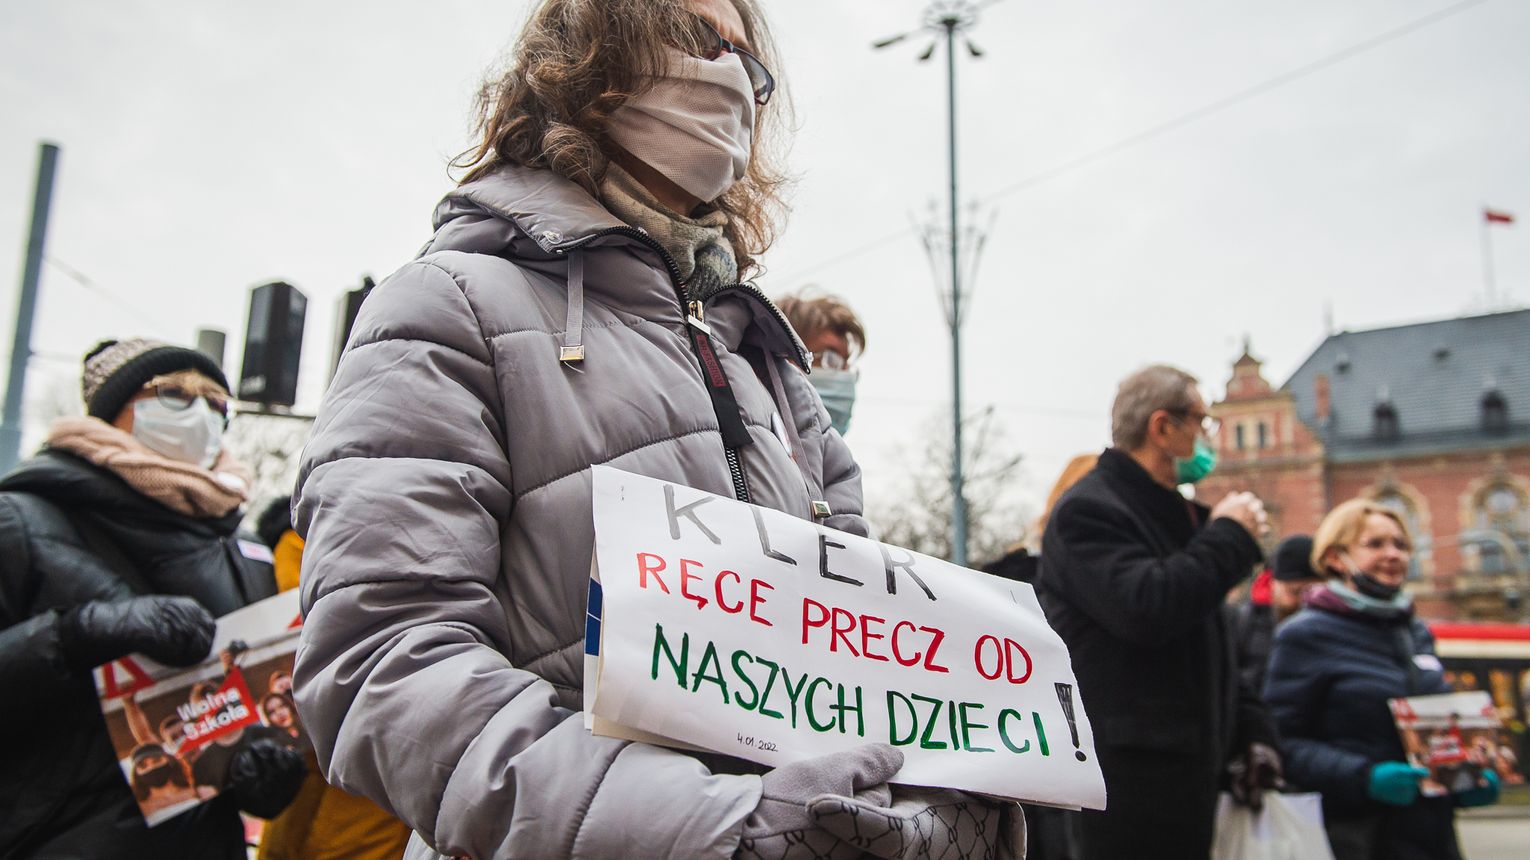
(696, 317)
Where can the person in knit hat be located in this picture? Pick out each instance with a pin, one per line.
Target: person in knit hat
(120, 538)
(1275, 595)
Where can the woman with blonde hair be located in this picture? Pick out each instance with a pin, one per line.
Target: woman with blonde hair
(582, 302)
(1333, 668)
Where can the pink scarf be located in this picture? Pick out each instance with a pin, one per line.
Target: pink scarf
(182, 487)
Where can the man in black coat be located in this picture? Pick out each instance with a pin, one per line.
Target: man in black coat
(1134, 577)
(120, 538)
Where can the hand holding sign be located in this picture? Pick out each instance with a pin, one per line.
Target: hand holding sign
(757, 634)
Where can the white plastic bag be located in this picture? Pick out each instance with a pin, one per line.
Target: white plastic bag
(1289, 828)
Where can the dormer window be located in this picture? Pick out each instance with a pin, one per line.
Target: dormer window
(1495, 413)
(1384, 426)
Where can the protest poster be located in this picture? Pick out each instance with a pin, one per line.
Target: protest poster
(1452, 735)
(175, 730)
(722, 626)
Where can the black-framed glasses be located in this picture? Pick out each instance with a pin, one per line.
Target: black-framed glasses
(1209, 425)
(714, 45)
(178, 399)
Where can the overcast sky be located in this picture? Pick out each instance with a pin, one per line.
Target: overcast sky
(210, 146)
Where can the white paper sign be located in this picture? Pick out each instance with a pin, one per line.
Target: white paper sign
(746, 631)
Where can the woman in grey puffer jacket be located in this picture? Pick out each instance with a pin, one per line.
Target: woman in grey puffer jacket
(564, 315)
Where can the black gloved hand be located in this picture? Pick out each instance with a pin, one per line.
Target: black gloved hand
(264, 776)
(1254, 772)
(175, 631)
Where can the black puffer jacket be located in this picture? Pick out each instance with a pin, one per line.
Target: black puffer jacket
(71, 533)
(1331, 672)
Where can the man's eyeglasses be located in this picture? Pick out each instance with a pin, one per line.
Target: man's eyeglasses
(1209, 425)
(713, 45)
(178, 399)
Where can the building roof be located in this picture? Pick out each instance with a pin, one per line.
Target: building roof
(1434, 375)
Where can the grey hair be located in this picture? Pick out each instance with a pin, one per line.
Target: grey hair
(1143, 393)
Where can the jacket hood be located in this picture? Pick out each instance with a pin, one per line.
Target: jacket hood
(518, 212)
(534, 218)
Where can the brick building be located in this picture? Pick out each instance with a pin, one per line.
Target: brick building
(1432, 419)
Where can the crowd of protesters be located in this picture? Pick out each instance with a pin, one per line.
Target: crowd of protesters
(585, 299)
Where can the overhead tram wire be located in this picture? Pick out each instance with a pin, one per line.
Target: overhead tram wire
(90, 284)
(1187, 118)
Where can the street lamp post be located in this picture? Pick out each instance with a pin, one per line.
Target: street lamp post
(946, 19)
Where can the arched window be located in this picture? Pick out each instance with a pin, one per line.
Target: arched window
(1238, 440)
(1503, 515)
(1385, 423)
(1495, 413)
(1264, 435)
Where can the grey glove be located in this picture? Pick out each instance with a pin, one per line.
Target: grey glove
(926, 823)
(782, 827)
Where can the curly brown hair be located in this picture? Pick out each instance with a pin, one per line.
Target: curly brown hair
(575, 62)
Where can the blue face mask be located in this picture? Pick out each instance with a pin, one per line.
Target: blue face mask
(1188, 470)
(837, 388)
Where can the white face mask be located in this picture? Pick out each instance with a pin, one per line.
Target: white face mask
(694, 125)
(191, 435)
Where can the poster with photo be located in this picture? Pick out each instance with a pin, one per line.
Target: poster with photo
(1452, 735)
(176, 730)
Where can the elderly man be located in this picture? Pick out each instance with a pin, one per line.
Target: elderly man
(1133, 577)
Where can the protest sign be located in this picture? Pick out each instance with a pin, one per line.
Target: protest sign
(723, 626)
(175, 731)
(1452, 735)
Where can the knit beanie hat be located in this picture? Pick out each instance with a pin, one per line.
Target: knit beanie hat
(1293, 559)
(115, 370)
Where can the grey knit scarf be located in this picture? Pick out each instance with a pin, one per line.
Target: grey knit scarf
(703, 255)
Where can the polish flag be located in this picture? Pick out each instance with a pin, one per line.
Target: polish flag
(1493, 216)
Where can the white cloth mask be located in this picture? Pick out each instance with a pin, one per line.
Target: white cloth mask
(190, 435)
(694, 125)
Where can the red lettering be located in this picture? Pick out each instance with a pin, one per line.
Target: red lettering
(867, 636)
(837, 632)
(650, 563)
(977, 657)
(897, 653)
(138, 679)
(685, 580)
(717, 592)
(1010, 646)
(929, 657)
(755, 599)
(807, 622)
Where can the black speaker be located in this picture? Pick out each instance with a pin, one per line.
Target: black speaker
(350, 306)
(273, 345)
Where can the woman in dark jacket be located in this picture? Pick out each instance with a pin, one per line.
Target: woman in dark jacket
(1333, 668)
(119, 538)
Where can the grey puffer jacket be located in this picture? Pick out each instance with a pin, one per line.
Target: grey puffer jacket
(445, 500)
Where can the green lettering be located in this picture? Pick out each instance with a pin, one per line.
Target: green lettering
(754, 692)
(892, 719)
(662, 644)
(793, 694)
(929, 727)
(968, 726)
(860, 717)
(1004, 735)
(709, 657)
(1041, 734)
(769, 683)
(807, 706)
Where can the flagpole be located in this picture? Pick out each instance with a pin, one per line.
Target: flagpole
(1487, 259)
